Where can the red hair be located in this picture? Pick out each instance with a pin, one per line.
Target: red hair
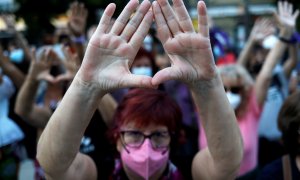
(144, 107)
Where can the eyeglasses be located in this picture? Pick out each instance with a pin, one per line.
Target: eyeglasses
(234, 89)
(135, 139)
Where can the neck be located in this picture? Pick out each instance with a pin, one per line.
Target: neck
(134, 176)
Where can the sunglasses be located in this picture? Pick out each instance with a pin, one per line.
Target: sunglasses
(234, 89)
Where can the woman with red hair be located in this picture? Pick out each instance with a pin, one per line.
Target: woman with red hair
(146, 120)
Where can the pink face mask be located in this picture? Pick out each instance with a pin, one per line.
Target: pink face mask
(144, 161)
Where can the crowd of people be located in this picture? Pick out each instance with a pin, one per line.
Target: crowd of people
(147, 95)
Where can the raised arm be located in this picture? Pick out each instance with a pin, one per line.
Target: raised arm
(77, 25)
(105, 67)
(192, 63)
(11, 70)
(20, 39)
(107, 104)
(261, 29)
(25, 105)
(286, 20)
(292, 60)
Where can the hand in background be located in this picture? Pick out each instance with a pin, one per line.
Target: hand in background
(71, 64)
(263, 27)
(77, 18)
(40, 65)
(285, 17)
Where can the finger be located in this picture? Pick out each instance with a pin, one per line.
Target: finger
(124, 17)
(49, 78)
(67, 54)
(163, 76)
(81, 10)
(33, 54)
(141, 81)
(290, 9)
(104, 23)
(170, 17)
(163, 30)
(202, 19)
(285, 6)
(74, 7)
(182, 14)
(63, 77)
(136, 20)
(138, 37)
(296, 14)
(280, 7)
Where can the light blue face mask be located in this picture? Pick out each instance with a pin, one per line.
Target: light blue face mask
(16, 56)
(147, 71)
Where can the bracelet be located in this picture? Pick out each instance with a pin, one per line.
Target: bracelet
(80, 40)
(287, 41)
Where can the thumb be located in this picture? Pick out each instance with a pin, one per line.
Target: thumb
(140, 81)
(163, 76)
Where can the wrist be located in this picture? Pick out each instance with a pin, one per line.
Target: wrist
(32, 79)
(294, 38)
(89, 88)
(203, 86)
(286, 33)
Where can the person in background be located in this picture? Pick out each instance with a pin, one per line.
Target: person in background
(144, 148)
(261, 40)
(247, 96)
(287, 166)
(11, 135)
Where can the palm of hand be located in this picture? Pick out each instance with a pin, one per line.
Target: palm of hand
(191, 57)
(287, 20)
(116, 56)
(77, 24)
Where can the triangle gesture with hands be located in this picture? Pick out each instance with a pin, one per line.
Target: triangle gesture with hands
(190, 52)
(112, 49)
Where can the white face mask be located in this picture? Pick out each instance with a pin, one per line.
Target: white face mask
(147, 71)
(234, 99)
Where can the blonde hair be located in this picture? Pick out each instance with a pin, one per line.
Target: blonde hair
(239, 73)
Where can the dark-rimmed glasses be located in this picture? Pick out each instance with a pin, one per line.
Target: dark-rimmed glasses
(135, 139)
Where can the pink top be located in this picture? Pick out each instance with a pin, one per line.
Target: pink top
(248, 125)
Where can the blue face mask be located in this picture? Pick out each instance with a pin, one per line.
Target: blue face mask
(147, 71)
(16, 56)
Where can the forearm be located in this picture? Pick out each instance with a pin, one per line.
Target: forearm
(13, 72)
(22, 42)
(291, 62)
(264, 77)
(220, 125)
(61, 138)
(26, 97)
(246, 52)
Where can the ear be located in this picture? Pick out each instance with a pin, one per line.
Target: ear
(119, 145)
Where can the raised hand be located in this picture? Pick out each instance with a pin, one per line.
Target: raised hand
(111, 51)
(262, 28)
(10, 22)
(189, 51)
(77, 18)
(41, 64)
(285, 16)
(71, 63)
